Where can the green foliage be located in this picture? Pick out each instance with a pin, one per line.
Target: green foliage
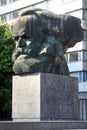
(6, 72)
(5, 99)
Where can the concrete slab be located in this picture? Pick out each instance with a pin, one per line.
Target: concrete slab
(44, 96)
(50, 125)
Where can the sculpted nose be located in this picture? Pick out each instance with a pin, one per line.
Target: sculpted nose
(20, 43)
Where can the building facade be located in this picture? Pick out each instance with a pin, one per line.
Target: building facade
(77, 56)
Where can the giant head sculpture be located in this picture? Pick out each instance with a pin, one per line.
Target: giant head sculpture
(41, 40)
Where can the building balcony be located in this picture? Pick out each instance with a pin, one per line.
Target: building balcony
(82, 90)
(82, 87)
(78, 46)
(77, 66)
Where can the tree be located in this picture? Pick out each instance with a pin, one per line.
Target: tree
(6, 72)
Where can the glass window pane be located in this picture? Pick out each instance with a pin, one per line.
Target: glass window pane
(3, 2)
(85, 55)
(3, 17)
(80, 55)
(73, 56)
(85, 14)
(84, 35)
(74, 74)
(83, 76)
(15, 14)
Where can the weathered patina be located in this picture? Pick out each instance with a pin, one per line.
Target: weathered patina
(42, 38)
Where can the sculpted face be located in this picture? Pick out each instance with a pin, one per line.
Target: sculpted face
(27, 36)
(40, 40)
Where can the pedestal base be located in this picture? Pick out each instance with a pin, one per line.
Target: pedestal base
(58, 125)
(43, 96)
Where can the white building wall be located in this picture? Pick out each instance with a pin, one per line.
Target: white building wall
(67, 7)
(83, 87)
(78, 46)
(17, 5)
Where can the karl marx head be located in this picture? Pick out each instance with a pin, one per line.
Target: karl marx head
(41, 39)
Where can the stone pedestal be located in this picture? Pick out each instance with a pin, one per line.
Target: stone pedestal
(43, 96)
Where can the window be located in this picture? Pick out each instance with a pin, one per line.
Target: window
(4, 17)
(3, 2)
(72, 57)
(84, 35)
(49, 4)
(80, 55)
(83, 109)
(85, 55)
(74, 74)
(85, 14)
(76, 56)
(15, 14)
(83, 76)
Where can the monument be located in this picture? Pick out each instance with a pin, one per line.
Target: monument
(41, 39)
(42, 88)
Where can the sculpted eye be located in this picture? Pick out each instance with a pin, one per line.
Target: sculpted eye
(16, 38)
(24, 36)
